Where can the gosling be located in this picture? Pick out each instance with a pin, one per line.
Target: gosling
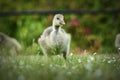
(54, 39)
(8, 45)
(117, 43)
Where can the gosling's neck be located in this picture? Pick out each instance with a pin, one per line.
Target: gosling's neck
(56, 28)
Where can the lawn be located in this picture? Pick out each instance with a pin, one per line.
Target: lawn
(76, 67)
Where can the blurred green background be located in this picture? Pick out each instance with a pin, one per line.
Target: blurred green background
(91, 32)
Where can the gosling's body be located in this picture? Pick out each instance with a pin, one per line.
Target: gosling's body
(54, 39)
(117, 43)
(8, 45)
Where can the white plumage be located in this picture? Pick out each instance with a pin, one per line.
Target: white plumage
(8, 45)
(54, 39)
(117, 42)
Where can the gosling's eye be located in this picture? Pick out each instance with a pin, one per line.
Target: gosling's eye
(58, 18)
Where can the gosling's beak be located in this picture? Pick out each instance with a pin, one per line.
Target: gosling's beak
(62, 22)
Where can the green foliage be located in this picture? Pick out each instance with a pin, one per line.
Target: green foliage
(34, 49)
(84, 67)
(29, 29)
(58, 4)
(94, 33)
(8, 25)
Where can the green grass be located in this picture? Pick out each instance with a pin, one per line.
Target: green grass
(76, 67)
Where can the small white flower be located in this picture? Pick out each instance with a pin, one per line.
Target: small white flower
(109, 61)
(91, 58)
(103, 60)
(58, 56)
(74, 67)
(79, 60)
(42, 64)
(64, 66)
(114, 60)
(118, 48)
(94, 53)
(71, 54)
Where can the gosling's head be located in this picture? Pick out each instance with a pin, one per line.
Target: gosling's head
(58, 20)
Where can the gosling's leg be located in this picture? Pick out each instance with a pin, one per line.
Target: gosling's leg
(64, 55)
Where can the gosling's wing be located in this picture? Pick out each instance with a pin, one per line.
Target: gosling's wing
(43, 38)
(47, 31)
(117, 41)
